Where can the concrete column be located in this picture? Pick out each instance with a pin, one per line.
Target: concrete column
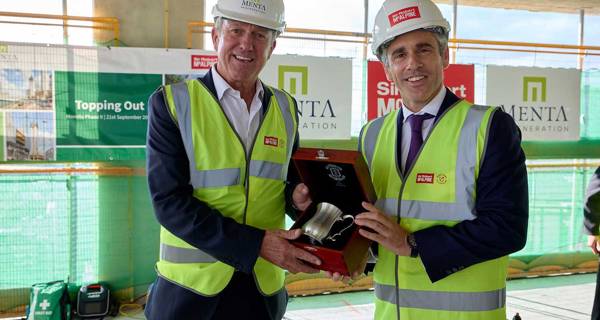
(150, 23)
(454, 51)
(581, 36)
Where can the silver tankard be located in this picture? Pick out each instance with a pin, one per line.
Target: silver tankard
(326, 215)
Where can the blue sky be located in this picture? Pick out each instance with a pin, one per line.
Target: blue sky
(13, 76)
(23, 120)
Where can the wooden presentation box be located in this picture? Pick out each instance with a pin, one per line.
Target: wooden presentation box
(339, 177)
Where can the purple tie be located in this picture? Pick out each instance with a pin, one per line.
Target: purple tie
(416, 137)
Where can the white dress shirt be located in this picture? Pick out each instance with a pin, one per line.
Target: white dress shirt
(245, 121)
(432, 108)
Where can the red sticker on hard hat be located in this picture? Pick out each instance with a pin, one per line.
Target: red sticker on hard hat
(425, 177)
(403, 15)
(271, 141)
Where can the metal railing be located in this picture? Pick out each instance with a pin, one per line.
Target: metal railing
(64, 21)
(195, 27)
(101, 169)
(294, 33)
(555, 165)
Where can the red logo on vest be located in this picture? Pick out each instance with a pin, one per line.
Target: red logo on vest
(271, 141)
(425, 177)
(403, 15)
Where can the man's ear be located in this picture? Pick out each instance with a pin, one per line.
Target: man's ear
(272, 48)
(446, 57)
(388, 73)
(214, 34)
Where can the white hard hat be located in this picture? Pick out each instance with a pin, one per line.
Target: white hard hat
(397, 17)
(265, 13)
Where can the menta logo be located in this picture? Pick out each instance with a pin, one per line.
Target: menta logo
(535, 109)
(316, 111)
(255, 5)
(531, 87)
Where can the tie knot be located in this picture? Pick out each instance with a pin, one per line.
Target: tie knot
(416, 121)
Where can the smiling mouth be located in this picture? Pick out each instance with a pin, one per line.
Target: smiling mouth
(243, 59)
(414, 78)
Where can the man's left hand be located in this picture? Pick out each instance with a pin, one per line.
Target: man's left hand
(383, 230)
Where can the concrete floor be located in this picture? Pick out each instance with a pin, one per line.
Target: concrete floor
(543, 298)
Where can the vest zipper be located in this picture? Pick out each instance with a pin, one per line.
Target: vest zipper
(246, 153)
(403, 179)
(399, 208)
(396, 275)
(249, 154)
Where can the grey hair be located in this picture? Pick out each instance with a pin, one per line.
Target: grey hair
(441, 35)
(219, 27)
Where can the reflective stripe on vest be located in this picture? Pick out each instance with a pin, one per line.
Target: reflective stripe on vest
(266, 169)
(229, 177)
(184, 255)
(246, 187)
(447, 301)
(457, 145)
(464, 207)
(371, 139)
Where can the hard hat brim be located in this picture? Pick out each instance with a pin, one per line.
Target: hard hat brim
(220, 12)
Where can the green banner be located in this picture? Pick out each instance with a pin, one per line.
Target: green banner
(102, 111)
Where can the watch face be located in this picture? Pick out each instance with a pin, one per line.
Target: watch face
(410, 239)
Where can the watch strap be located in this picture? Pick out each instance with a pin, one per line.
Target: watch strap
(412, 243)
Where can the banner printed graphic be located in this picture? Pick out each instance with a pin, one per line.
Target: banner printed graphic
(90, 103)
(322, 88)
(544, 102)
(383, 96)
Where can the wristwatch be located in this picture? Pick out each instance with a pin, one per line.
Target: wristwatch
(410, 239)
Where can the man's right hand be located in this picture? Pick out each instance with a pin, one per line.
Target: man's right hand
(301, 197)
(278, 250)
(336, 276)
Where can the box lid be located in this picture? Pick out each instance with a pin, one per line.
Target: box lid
(340, 177)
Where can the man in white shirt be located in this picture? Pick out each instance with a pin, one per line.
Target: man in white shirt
(218, 152)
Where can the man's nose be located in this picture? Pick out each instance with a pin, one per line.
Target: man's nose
(246, 41)
(413, 61)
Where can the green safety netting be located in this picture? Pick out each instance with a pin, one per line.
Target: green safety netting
(88, 226)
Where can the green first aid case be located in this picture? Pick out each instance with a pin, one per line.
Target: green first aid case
(49, 301)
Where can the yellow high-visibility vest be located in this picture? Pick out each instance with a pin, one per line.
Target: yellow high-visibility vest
(248, 189)
(438, 190)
